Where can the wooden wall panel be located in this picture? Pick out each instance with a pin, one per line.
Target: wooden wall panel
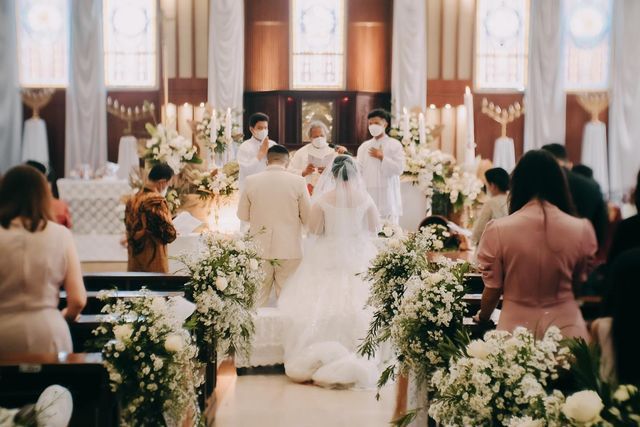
(266, 45)
(577, 117)
(184, 35)
(449, 39)
(201, 41)
(466, 36)
(368, 52)
(434, 19)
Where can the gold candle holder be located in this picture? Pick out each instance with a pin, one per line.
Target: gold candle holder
(130, 115)
(504, 116)
(594, 103)
(37, 99)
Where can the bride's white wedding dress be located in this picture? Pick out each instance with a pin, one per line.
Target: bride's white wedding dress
(325, 299)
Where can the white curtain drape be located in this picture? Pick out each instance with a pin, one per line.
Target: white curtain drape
(545, 99)
(226, 54)
(624, 108)
(10, 101)
(409, 55)
(86, 115)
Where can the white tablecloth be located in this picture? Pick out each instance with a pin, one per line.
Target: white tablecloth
(504, 154)
(96, 205)
(127, 156)
(414, 206)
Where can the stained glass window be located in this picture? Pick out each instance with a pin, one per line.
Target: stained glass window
(501, 44)
(588, 24)
(130, 43)
(43, 42)
(318, 39)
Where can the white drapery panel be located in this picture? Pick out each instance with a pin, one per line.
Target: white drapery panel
(409, 55)
(86, 111)
(545, 99)
(624, 108)
(10, 101)
(226, 54)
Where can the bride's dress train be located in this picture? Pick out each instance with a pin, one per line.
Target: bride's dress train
(325, 299)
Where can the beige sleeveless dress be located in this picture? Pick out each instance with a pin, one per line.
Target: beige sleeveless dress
(32, 270)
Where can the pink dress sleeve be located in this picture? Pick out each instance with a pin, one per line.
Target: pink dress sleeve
(490, 259)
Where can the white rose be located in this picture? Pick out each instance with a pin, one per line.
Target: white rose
(173, 343)
(253, 264)
(623, 393)
(221, 283)
(122, 332)
(240, 245)
(584, 406)
(478, 349)
(387, 231)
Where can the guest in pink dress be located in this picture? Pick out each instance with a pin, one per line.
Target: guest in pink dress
(534, 256)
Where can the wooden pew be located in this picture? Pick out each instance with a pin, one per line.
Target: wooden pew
(94, 305)
(24, 376)
(133, 281)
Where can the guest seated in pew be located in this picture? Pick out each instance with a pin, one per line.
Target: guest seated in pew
(59, 209)
(627, 234)
(497, 205)
(455, 242)
(37, 257)
(615, 334)
(534, 256)
(148, 222)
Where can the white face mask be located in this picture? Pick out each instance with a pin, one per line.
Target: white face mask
(319, 142)
(376, 130)
(261, 134)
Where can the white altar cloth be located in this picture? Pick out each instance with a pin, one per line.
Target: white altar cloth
(415, 206)
(35, 145)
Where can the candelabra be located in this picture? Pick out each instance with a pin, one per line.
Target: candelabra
(504, 116)
(130, 115)
(594, 103)
(37, 99)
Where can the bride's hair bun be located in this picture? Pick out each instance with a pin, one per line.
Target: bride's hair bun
(341, 165)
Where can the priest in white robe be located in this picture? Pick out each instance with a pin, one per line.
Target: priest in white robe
(381, 162)
(312, 159)
(252, 154)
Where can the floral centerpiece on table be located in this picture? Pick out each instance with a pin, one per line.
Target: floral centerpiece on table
(389, 272)
(225, 276)
(463, 188)
(168, 146)
(218, 129)
(151, 361)
(215, 184)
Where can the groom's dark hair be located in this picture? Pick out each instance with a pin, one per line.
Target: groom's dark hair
(277, 153)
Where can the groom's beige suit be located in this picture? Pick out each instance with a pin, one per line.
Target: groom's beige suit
(276, 205)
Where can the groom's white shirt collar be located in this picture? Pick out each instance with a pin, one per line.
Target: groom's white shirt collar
(275, 167)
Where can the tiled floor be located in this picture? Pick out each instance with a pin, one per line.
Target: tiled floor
(275, 401)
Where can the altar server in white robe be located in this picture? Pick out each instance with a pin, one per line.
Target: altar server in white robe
(312, 159)
(252, 154)
(381, 162)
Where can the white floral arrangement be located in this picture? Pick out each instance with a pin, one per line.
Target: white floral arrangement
(397, 131)
(390, 230)
(212, 185)
(463, 188)
(502, 380)
(428, 169)
(388, 274)
(151, 360)
(431, 311)
(225, 275)
(223, 133)
(168, 146)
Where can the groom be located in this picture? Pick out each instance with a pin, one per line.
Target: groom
(276, 205)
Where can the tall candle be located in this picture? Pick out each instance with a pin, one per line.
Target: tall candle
(471, 145)
(214, 127)
(449, 130)
(185, 115)
(227, 126)
(433, 119)
(170, 114)
(405, 120)
(198, 114)
(422, 131)
(461, 132)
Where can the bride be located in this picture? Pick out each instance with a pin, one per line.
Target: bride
(325, 299)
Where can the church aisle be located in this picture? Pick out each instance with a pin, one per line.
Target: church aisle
(275, 401)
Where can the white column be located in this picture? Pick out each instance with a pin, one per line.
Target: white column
(86, 109)
(624, 107)
(545, 99)
(409, 54)
(10, 102)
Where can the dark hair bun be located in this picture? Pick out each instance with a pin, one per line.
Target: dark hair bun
(340, 167)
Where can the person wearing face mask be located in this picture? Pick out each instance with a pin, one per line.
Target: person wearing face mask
(148, 223)
(381, 162)
(252, 154)
(311, 160)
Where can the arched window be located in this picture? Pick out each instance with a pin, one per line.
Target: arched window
(318, 40)
(502, 28)
(130, 43)
(588, 25)
(43, 42)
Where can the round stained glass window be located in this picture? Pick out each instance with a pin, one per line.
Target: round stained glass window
(588, 24)
(503, 24)
(130, 20)
(44, 21)
(319, 25)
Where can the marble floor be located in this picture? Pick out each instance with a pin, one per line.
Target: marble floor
(275, 401)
